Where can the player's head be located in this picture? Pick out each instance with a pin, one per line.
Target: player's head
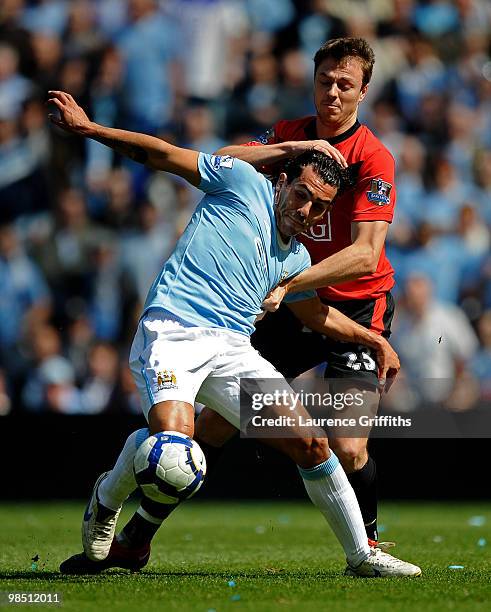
(305, 191)
(342, 71)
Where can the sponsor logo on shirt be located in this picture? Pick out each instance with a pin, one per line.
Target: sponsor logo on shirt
(379, 192)
(320, 232)
(222, 161)
(166, 380)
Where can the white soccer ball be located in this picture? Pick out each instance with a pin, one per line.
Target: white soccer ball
(169, 467)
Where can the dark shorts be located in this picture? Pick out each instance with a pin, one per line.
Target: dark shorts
(292, 349)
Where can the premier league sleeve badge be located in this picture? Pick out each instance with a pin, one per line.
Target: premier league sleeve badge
(379, 192)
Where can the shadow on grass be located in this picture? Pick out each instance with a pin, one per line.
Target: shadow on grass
(27, 575)
(41, 576)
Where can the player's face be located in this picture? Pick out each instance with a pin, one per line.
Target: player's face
(338, 90)
(301, 203)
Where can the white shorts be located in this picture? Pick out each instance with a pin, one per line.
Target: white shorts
(170, 361)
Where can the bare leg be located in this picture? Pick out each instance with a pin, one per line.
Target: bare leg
(140, 529)
(213, 429)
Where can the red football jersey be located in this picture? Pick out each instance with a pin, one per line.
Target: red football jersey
(373, 199)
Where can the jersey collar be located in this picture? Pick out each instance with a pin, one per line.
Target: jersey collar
(311, 132)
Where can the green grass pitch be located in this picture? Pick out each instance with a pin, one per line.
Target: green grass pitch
(281, 556)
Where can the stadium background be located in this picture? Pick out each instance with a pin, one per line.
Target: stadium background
(83, 232)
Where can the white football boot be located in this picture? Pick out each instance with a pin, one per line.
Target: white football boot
(382, 565)
(98, 526)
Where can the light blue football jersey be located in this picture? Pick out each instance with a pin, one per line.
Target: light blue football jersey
(229, 256)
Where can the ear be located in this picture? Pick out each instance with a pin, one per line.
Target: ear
(363, 92)
(282, 178)
(280, 183)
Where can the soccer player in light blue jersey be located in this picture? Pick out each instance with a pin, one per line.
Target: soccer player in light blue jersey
(196, 324)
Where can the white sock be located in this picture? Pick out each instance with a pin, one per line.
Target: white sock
(329, 490)
(120, 482)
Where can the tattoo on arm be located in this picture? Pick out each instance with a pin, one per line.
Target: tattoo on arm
(134, 152)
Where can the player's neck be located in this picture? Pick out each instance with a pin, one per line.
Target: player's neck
(283, 241)
(330, 130)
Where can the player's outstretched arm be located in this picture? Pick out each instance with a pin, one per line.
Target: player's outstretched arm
(333, 323)
(266, 155)
(153, 152)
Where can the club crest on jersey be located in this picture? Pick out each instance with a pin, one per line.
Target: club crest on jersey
(222, 161)
(166, 380)
(379, 192)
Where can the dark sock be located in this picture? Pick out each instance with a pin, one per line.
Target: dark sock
(364, 483)
(139, 531)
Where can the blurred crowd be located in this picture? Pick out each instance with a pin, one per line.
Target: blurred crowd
(83, 232)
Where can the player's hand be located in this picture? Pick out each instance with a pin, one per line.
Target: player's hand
(72, 117)
(301, 146)
(274, 298)
(388, 365)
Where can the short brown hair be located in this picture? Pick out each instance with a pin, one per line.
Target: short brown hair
(341, 48)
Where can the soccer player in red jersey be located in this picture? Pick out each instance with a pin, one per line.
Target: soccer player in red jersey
(350, 269)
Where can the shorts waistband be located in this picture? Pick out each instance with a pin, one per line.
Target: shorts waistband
(163, 314)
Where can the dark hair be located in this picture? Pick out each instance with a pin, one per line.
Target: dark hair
(325, 167)
(342, 48)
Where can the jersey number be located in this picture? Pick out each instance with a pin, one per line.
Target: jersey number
(356, 362)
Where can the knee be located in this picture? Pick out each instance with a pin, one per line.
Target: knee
(310, 452)
(352, 454)
(172, 415)
(158, 425)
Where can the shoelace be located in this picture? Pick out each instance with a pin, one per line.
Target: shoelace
(384, 546)
(103, 530)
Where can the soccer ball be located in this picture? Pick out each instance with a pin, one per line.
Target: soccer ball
(169, 467)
